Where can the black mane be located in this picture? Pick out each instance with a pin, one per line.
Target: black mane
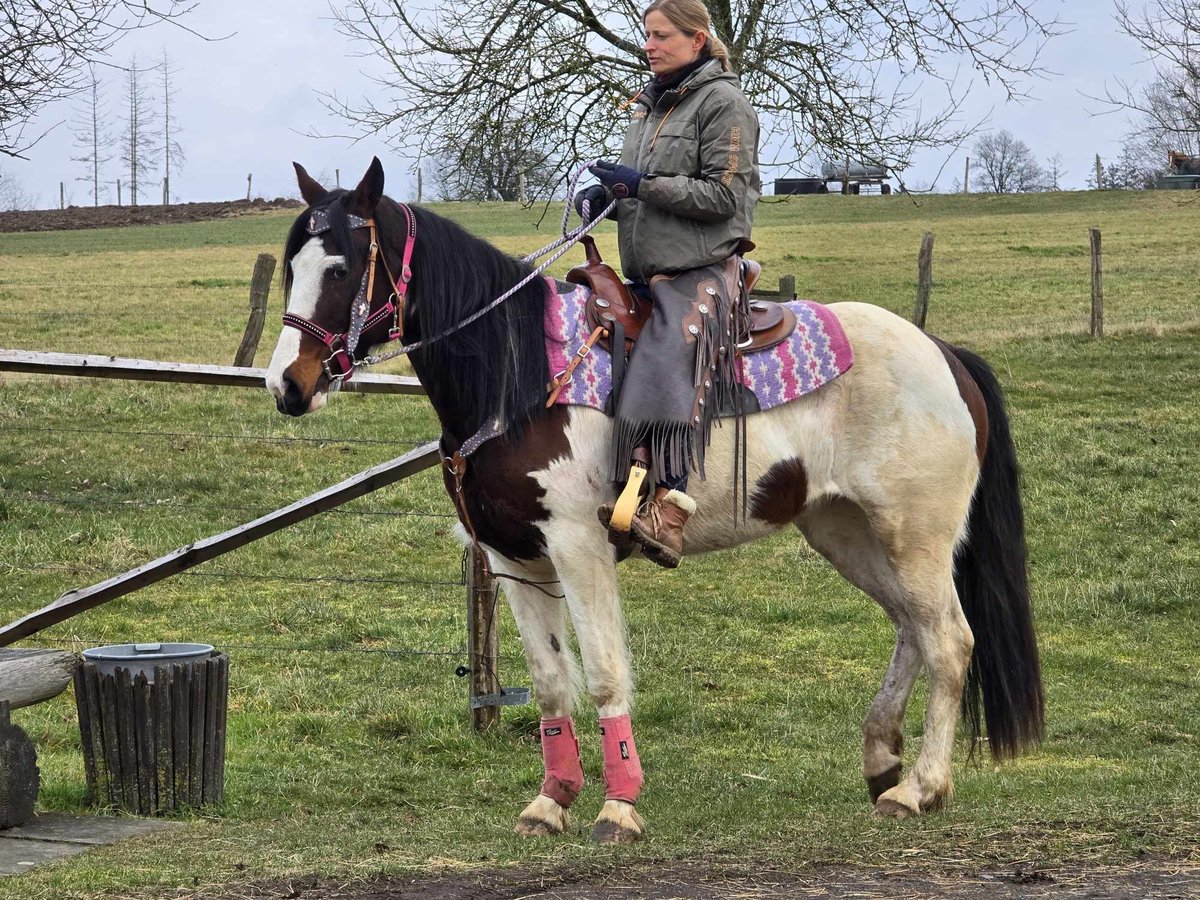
(494, 367)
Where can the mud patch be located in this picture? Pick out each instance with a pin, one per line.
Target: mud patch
(1161, 879)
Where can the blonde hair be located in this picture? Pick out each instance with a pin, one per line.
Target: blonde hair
(692, 17)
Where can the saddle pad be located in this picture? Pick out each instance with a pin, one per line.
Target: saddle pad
(816, 353)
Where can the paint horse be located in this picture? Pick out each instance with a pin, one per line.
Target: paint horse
(901, 472)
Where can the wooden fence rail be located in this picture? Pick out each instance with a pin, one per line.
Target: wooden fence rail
(90, 366)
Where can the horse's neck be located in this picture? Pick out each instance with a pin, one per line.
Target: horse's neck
(455, 413)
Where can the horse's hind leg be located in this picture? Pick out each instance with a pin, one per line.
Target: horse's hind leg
(541, 619)
(839, 530)
(941, 632)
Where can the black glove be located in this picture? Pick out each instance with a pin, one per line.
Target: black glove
(621, 180)
(597, 199)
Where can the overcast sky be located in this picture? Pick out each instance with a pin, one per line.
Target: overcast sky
(246, 104)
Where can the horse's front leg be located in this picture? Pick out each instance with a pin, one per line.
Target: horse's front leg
(540, 614)
(587, 570)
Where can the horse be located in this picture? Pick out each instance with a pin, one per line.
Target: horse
(900, 472)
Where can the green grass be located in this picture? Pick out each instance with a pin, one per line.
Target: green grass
(353, 755)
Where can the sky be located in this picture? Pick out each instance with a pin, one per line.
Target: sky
(249, 105)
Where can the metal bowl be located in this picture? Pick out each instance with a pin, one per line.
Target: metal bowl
(140, 659)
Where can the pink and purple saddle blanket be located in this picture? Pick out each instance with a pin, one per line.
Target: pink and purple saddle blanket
(816, 353)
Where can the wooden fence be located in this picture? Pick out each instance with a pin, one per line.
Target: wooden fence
(482, 635)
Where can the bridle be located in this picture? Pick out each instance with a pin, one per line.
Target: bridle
(340, 363)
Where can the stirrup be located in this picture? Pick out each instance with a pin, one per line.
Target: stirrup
(627, 504)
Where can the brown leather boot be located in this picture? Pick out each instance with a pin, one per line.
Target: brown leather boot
(658, 526)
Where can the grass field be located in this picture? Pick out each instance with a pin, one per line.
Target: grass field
(350, 751)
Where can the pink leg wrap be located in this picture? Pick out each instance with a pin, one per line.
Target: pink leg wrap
(560, 752)
(622, 768)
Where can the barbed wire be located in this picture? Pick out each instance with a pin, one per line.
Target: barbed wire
(34, 568)
(208, 435)
(172, 504)
(50, 643)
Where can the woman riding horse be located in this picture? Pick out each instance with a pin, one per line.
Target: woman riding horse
(686, 185)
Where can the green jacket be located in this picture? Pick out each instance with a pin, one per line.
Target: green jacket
(698, 148)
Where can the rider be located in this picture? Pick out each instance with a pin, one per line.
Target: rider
(687, 183)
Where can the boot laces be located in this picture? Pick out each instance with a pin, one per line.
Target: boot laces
(651, 511)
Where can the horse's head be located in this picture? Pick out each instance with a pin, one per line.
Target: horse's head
(338, 301)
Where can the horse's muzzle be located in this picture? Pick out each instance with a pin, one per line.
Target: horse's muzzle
(293, 401)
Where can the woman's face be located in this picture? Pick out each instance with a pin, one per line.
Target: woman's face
(667, 48)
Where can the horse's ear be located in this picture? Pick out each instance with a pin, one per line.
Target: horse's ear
(312, 192)
(369, 190)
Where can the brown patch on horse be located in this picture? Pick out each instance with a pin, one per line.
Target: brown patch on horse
(971, 396)
(308, 370)
(780, 495)
(503, 500)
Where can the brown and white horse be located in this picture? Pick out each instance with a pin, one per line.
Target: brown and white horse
(901, 472)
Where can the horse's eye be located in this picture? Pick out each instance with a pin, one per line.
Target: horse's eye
(339, 272)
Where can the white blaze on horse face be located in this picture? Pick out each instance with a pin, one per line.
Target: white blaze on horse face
(308, 272)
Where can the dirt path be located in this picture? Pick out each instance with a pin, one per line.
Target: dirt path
(1155, 879)
(76, 217)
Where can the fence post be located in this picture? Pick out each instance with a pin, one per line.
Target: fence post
(967, 176)
(483, 640)
(1097, 285)
(924, 280)
(260, 287)
(249, 182)
(787, 288)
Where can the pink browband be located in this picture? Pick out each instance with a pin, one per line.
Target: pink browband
(340, 363)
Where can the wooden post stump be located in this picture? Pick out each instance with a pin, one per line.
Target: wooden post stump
(260, 288)
(1097, 324)
(153, 746)
(924, 280)
(19, 777)
(484, 638)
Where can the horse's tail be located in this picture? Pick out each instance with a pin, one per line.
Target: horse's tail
(993, 588)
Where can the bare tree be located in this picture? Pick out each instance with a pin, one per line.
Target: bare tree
(93, 139)
(1053, 173)
(1168, 31)
(45, 46)
(839, 75)
(172, 152)
(1005, 165)
(139, 149)
(13, 194)
(515, 161)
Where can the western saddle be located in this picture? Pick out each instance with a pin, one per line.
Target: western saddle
(611, 301)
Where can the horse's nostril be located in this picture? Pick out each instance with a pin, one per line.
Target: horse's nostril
(293, 401)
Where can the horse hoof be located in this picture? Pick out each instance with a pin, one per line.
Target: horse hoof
(619, 823)
(891, 809)
(535, 828)
(612, 833)
(542, 817)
